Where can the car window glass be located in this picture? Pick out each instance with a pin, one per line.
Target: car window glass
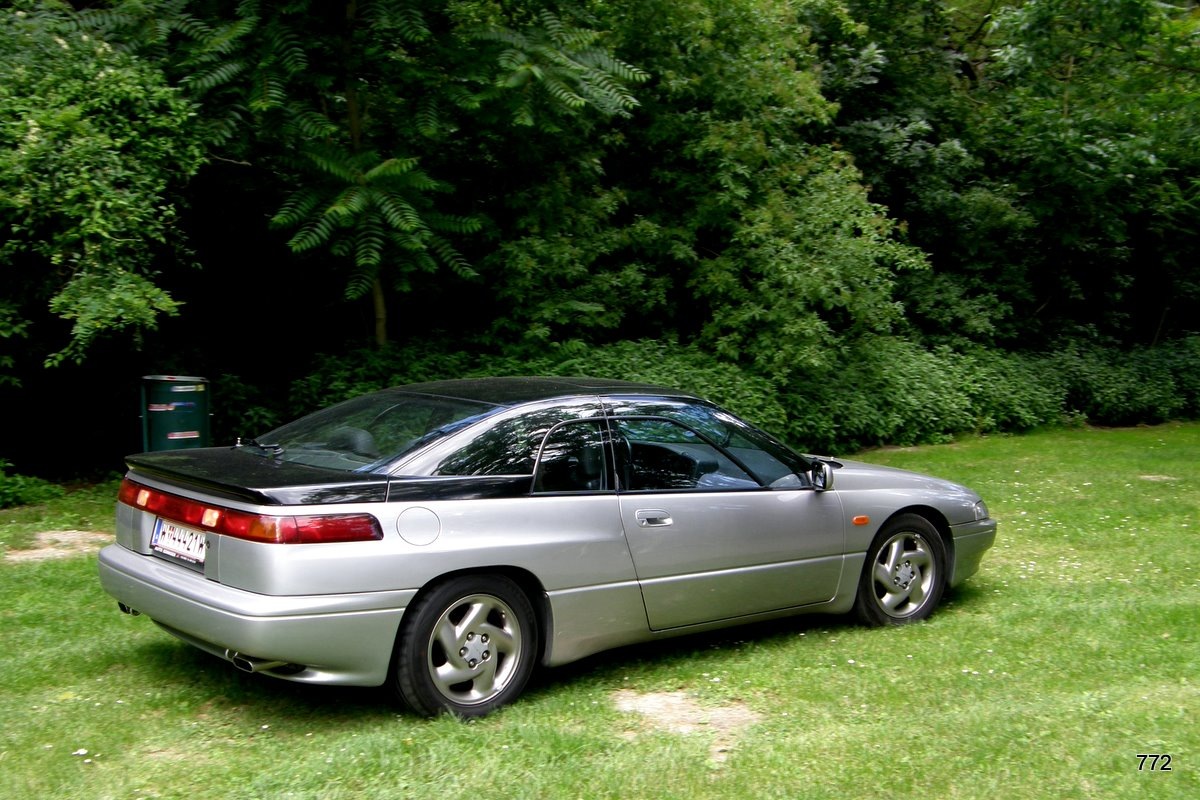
(662, 455)
(364, 433)
(509, 445)
(572, 460)
(405, 425)
(770, 462)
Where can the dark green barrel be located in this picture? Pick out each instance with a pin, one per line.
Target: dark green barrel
(174, 412)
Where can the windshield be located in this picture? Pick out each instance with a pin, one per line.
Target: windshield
(369, 432)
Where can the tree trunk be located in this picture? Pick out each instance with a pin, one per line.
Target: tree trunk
(380, 303)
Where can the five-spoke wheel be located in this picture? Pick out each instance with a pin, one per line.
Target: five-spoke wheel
(467, 646)
(904, 576)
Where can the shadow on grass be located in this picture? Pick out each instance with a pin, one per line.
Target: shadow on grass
(971, 596)
(610, 667)
(210, 681)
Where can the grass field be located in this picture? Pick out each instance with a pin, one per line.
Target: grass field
(1074, 652)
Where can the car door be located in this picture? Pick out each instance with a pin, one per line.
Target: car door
(710, 541)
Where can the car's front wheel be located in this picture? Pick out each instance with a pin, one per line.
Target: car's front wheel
(467, 646)
(904, 576)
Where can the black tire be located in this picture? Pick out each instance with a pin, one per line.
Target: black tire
(904, 575)
(466, 647)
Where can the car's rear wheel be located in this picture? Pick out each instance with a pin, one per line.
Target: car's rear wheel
(466, 646)
(905, 573)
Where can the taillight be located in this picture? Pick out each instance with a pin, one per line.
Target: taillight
(275, 529)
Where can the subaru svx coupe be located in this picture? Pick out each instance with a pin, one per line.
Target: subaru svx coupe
(447, 538)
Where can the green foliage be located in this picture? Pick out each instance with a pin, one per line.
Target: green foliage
(367, 207)
(1093, 103)
(105, 302)
(1145, 385)
(902, 76)
(1181, 361)
(12, 326)
(574, 268)
(1013, 392)
(241, 408)
(568, 63)
(811, 265)
(364, 133)
(353, 106)
(92, 144)
(22, 490)
(716, 218)
(892, 391)
(883, 390)
(662, 362)
(339, 377)
(1036, 151)
(878, 215)
(666, 363)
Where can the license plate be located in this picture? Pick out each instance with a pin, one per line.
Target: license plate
(179, 542)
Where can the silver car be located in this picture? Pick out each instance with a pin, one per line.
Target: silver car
(445, 538)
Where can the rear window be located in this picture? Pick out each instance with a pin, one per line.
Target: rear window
(369, 432)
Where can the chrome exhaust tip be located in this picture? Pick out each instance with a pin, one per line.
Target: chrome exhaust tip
(133, 612)
(251, 664)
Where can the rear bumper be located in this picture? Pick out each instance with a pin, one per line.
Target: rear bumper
(971, 541)
(337, 638)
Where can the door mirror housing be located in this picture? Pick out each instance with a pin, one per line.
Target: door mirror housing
(822, 476)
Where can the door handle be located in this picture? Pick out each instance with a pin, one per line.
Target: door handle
(652, 518)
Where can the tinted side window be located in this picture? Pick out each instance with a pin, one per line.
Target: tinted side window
(506, 444)
(573, 459)
(770, 462)
(661, 455)
(507, 448)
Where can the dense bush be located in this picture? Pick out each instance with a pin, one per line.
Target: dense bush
(892, 391)
(1182, 359)
(881, 390)
(663, 362)
(241, 408)
(1145, 385)
(21, 490)
(340, 377)
(1013, 392)
(886, 390)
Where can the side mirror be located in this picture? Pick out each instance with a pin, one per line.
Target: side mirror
(822, 476)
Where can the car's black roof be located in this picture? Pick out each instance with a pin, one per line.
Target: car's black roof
(512, 391)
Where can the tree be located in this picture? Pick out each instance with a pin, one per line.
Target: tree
(355, 104)
(715, 214)
(1035, 151)
(93, 145)
(1098, 108)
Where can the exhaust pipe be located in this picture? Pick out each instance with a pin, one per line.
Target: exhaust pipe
(251, 664)
(133, 612)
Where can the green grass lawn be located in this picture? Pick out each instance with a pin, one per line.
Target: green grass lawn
(1071, 653)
